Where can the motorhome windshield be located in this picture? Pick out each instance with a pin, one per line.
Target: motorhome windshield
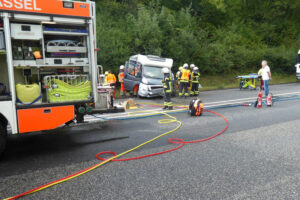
(153, 72)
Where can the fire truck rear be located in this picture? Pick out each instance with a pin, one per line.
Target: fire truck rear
(48, 65)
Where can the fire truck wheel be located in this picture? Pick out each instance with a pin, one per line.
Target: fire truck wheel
(3, 136)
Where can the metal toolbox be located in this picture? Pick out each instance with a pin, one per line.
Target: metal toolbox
(67, 61)
(80, 61)
(55, 47)
(26, 32)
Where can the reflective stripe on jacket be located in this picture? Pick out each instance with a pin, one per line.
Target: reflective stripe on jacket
(196, 77)
(167, 83)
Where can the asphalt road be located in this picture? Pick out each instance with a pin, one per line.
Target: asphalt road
(257, 158)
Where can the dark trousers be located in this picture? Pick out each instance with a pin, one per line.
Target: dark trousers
(183, 87)
(167, 98)
(262, 87)
(195, 89)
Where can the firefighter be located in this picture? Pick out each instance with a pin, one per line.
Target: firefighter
(121, 80)
(192, 66)
(195, 81)
(184, 78)
(167, 83)
(111, 80)
(177, 77)
(105, 78)
(179, 70)
(196, 107)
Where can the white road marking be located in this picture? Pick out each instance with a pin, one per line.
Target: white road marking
(218, 102)
(92, 119)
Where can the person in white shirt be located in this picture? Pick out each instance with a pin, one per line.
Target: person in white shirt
(266, 76)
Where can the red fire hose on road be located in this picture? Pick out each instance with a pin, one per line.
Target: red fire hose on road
(178, 141)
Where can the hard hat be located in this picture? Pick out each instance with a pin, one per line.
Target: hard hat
(165, 70)
(185, 65)
(299, 51)
(180, 68)
(192, 66)
(196, 69)
(122, 67)
(106, 73)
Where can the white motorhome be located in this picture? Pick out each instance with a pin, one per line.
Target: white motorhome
(143, 74)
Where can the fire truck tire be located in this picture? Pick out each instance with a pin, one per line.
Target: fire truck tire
(3, 137)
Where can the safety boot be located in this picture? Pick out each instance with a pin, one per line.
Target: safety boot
(170, 108)
(165, 108)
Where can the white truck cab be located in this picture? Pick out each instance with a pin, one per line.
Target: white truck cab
(298, 66)
(143, 74)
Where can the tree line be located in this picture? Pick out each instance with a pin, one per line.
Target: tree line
(219, 36)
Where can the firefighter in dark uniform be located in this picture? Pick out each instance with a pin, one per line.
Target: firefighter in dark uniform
(167, 83)
(195, 82)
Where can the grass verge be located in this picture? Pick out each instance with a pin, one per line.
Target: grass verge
(215, 82)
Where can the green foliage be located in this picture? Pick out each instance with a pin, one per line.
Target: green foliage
(219, 36)
(145, 32)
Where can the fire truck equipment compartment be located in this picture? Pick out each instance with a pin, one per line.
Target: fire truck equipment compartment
(55, 46)
(26, 32)
(38, 119)
(60, 91)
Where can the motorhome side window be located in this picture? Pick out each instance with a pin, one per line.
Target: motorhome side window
(130, 68)
(138, 70)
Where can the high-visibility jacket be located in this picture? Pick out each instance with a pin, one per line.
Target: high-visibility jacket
(185, 76)
(260, 72)
(167, 83)
(177, 75)
(121, 77)
(111, 79)
(196, 77)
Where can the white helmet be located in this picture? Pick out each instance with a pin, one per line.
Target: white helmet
(192, 66)
(299, 51)
(122, 67)
(185, 65)
(165, 70)
(196, 69)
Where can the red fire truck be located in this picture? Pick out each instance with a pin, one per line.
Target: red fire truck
(48, 65)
